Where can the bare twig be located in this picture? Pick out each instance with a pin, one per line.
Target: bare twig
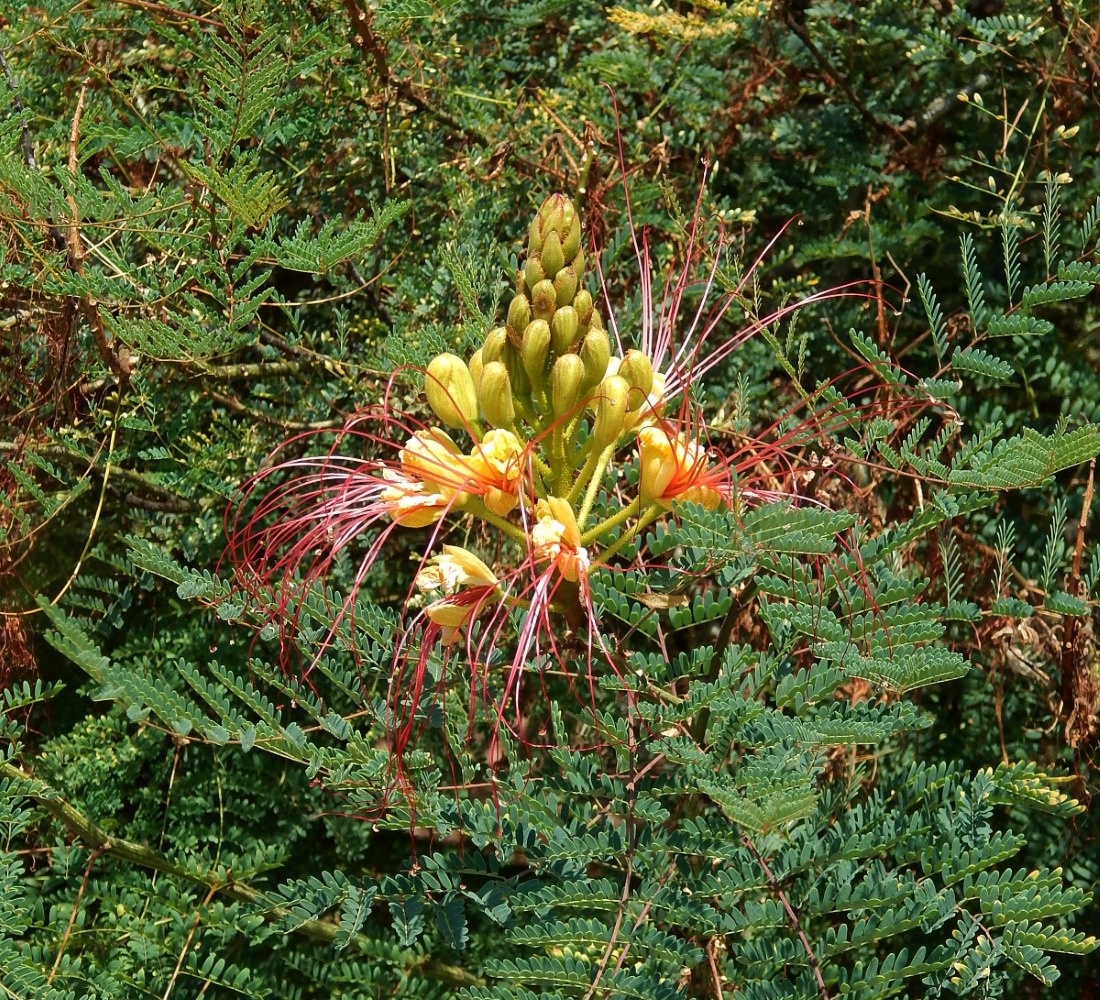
(1078, 687)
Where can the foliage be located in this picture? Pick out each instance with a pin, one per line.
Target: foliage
(842, 739)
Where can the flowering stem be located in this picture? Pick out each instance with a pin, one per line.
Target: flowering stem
(644, 522)
(595, 470)
(478, 509)
(630, 510)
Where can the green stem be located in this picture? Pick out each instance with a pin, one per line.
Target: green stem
(632, 509)
(596, 472)
(477, 507)
(644, 522)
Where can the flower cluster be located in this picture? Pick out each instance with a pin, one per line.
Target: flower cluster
(548, 404)
(556, 439)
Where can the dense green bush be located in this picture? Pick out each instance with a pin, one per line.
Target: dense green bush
(847, 745)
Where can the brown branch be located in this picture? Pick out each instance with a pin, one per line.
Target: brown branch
(373, 48)
(72, 916)
(829, 70)
(1059, 14)
(791, 915)
(1078, 687)
(116, 358)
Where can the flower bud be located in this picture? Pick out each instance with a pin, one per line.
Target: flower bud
(534, 238)
(532, 272)
(582, 302)
(536, 349)
(564, 329)
(610, 410)
(595, 321)
(595, 353)
(566, 384)
(521, 282)
(556, 213)
(493, 349)
(577, 263)
(553, 260)
(543, 300)
(476, 364)
(513, 362)
(638, 372)
(571, 242)
(565, 285)
(450, 390)
(519, 315)
(495, 395)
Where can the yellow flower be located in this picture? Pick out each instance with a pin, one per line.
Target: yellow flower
(556, 537)
(430, 455)
(673, 468)
(451, 617)
(409, 503)
(454, 569)
(496, 467)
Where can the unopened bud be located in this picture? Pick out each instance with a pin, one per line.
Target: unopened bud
(536, 349)
(595, 321)
(565, 285)
(519, 315)
(553, 260)
(610, 410)
(495, 395)
(638, 372)
(513, 361)
(450, 390)
(571, 242)
(564, 329)
(577, 263)
(493, 348)
(543, 300)
(521, 282)
(532, 272)
(534, 238)
(566, 384)
(476, 364)
(556, 213)
(582, 302)
(595, 353)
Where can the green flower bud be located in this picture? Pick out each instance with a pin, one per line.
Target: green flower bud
(495, 396)
(521, 282)
(638, 372)
(595, 353)
(534, 238)
(521, 384)
(493, 349)
(571, 242)
(611, 403)
(564, 328)
(596, 321)
(519, 315)
(577, 263)
(476, 364)
(450, 390)
(556, 213)
(566, 384)
(543, 300)
(565, 285)
(532, 272)
(536, 349)
(582, 302)
(553, 260)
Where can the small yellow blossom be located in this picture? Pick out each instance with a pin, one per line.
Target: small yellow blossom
(454, 569)
(410, 504)
(430, 455)
(451, 617)
(557, 537)
(673, 468)
(496, 465)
